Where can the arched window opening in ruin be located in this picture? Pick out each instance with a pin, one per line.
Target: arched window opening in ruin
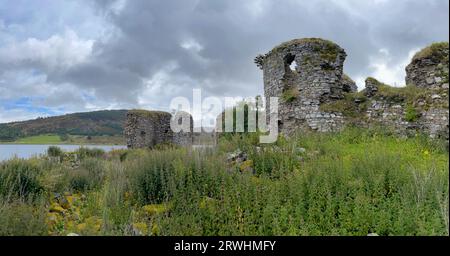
(293, 66)
(290, 62)
(180, 121)
(142, 133)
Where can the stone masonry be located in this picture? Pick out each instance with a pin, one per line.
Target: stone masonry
(429, 67)
(305, 73)
(183, 137)
(146, 129)
(314, 94)
(426, 112)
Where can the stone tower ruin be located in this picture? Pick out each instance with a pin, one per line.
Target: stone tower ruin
(304, 73)
(146, 129)
(314, 93)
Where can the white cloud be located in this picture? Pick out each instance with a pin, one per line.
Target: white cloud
(139, 53)
(58, 51)
(257, 7)
(387, 70)
(191, 44)
(118, 6)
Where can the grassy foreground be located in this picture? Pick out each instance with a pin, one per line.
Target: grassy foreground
(352, 183)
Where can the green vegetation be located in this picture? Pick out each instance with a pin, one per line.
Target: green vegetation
(353, 105)
(411, 95)
(93, 124)
(9, 133)
(243, 107)
(52, 139)
(149, 114)
(19, 179)
(89, 152)
(284, 45)
(347, 77)
(290, 95)
(54, 151)
(435, 50)
(328, 52)
(350, 183)
(326, 49)
(411, 114)
(407, 93)
(40, 139)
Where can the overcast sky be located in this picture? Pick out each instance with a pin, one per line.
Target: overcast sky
(80, 55)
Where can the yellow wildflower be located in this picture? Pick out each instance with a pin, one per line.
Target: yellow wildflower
(155, 209)
(141, 227)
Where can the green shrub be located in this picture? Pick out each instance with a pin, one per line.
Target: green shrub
(350, 183)
(79, 180)
(353, 182)
(20, 179)
(22, 219)
(411, 114)
(241, 108)
(89, 153)
(435, 50)
(290, 95)
(165, 146)
(157, 176)
(150, 177)
(54, 151)
(64, 137)
(90, 175)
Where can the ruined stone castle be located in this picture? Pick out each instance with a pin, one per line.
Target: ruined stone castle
(307, 76)
(314, 94)
(147, 129)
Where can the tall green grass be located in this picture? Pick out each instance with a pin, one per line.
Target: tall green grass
(354, 182)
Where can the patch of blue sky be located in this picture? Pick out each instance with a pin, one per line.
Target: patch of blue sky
(27, 104)
(88, 97)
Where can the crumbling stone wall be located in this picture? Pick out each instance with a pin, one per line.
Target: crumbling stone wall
(348, 85)
(146, 129)
(317, 96)
(405, 110)
(316, 78)
(183, 137)
(429, 67)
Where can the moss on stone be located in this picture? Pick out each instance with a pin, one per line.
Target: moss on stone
(435, 50)
(373, 81)
(353, 105)
(411, 114)
(347, 77)
(290, 95)
(327, 49)
(408, 93)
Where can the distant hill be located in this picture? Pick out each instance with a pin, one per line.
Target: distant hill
(97, 123)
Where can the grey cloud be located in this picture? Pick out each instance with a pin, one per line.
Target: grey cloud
(221, 38)
(110, 82)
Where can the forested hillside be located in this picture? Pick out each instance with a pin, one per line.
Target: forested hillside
(107, 122)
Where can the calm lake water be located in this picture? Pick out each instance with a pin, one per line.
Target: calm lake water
(8, 151)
